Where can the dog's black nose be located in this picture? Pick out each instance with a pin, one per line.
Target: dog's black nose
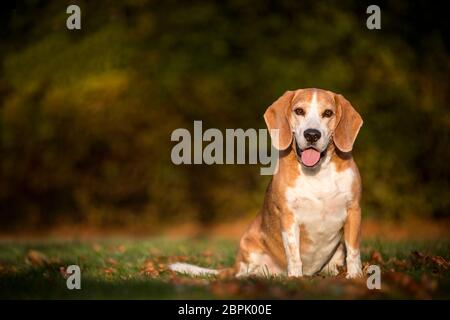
(312, 135)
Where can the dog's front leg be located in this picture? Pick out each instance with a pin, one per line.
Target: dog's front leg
(291, 240)
(352, 235)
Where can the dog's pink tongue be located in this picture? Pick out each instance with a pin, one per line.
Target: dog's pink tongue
(310, 157)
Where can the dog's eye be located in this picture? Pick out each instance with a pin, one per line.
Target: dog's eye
(327, 113)
(299, 112)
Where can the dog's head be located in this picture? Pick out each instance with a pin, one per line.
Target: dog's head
(313, 117)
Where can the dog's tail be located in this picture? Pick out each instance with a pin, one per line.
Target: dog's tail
(192, 270)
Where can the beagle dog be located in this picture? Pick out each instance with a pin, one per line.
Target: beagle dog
(311, 218)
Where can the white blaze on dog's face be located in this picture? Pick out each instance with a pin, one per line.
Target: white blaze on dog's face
(312, 119)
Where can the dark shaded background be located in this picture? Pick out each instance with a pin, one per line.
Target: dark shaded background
(86, 116)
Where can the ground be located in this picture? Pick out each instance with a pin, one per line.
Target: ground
(135, 268)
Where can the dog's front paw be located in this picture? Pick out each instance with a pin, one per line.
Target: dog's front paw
(295, 274)
(354, 275)
(354, 270)
(354, 266)
(295, 271)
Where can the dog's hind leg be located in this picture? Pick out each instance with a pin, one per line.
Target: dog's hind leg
(258, 264)
(253, 258)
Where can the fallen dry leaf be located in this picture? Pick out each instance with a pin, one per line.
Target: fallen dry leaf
(365, 268)
(37, 258)
(173, 259)
(149, 269)
(109, 271)
(399, 263)
(162, 267)
(376, 257)
(63, 272)
(7, 269)
(438, 263)
(417, 258)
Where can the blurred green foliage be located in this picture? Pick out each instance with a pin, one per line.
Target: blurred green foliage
(86, 116)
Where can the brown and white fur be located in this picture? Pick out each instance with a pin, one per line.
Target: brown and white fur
(311, 217)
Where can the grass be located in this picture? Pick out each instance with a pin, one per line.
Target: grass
(121, 268)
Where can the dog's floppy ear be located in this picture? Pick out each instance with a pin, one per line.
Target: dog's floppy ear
(349, 123)
(276, 118)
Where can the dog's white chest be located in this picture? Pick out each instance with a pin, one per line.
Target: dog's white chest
(319, 203)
